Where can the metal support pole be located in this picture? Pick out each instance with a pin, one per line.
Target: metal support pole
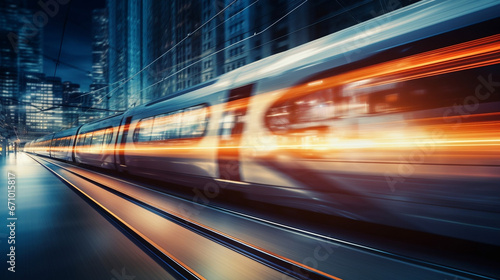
(4, 147)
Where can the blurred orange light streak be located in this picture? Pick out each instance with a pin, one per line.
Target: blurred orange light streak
(472, 54)
(476, 53)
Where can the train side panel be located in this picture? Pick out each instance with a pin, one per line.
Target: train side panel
(63, 143)
(385, 148)
(159, 146)
(95, 143)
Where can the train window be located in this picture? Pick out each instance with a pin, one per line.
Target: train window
(108, 136)
(159, 127)
(135, 137)
(194, 121)
(143, 131)
(317, 106)
(181, 124)
(98, 138)
(173, 125)
(228, 123)
(321, 104)
(88, 140)
(360, 98)
(80, 140)
(59, 143)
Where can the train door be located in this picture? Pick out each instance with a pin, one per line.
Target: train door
(123, 141)
(74, 144)
(230, 133)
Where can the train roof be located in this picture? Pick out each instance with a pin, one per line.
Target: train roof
(44, 138)
(110, 121)
(67, 132)
(102, 119)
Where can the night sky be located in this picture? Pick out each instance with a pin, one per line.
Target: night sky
(77, 44)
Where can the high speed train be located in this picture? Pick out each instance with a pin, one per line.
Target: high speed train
(393, 121)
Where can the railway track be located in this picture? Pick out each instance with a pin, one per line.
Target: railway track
(95, 188)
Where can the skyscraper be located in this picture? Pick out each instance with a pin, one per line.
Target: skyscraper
(186, 18)
(72, 108)
(125, 48)
(20, 53)
(157, 44)
(42, 99)
(100, 46)
(239, 25)
(30, 43)
(100, 59)
(212, 39)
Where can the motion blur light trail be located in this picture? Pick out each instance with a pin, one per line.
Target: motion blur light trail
(473, 54)
(403, 135)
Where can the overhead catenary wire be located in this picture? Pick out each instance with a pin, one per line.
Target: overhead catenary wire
(166, 52)
(183, 62)
(62, 38)
(135, 101)
(344, 10)
(125, 80)
(348, 12)
(229, 46)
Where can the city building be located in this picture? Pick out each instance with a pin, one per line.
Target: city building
(181, 43)
(124, 52)
(186, 56)
(20, 52)
(72, 105)
(212, 40)
(100, 52)
(42, 100)
(239, 28)
(157, 44)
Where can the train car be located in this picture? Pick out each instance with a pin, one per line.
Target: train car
(96, 141)
(392, 121)
(27, 147)
(362, 124)
(62, 144)
(173, 139)
(42, 145)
